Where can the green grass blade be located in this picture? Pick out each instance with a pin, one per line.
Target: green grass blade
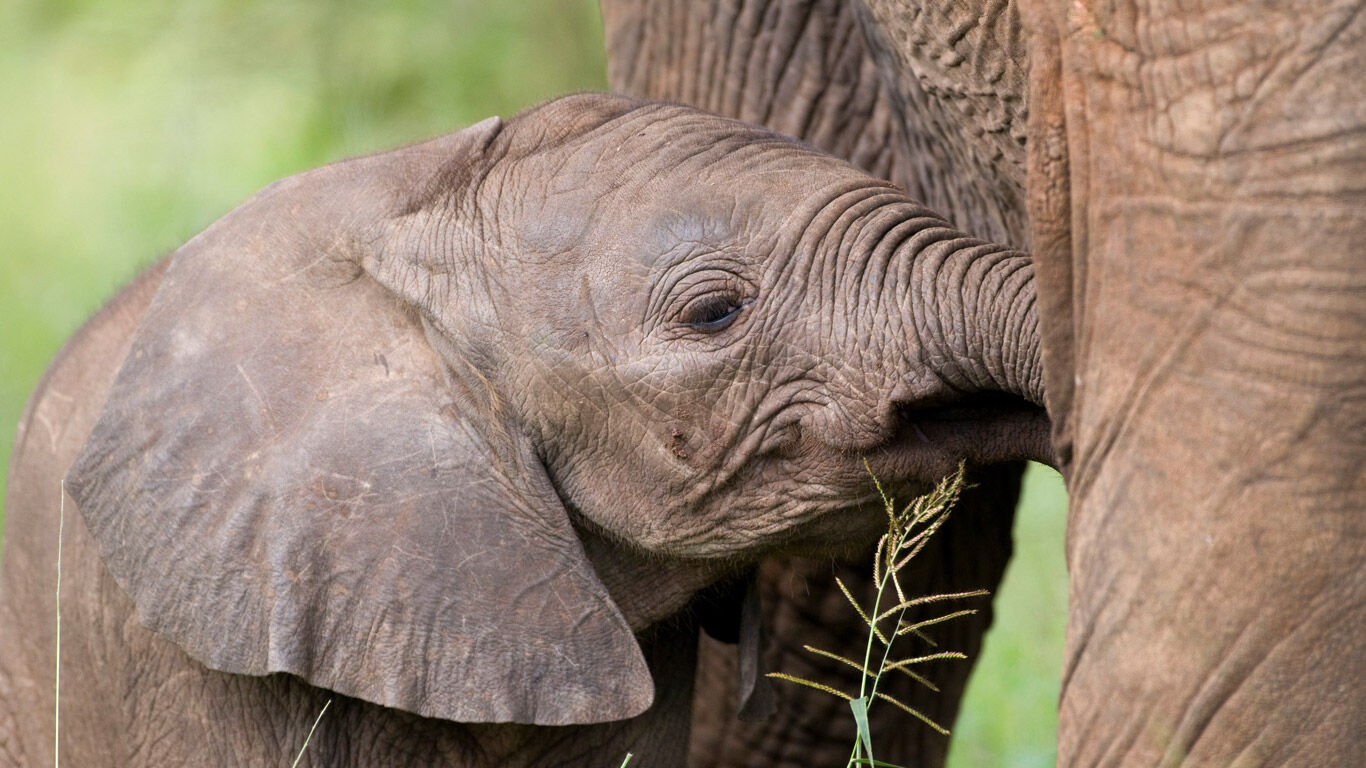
(919, 541)
(919, 625)
(903, 663)
(309, 737)
(886, 502)
(930, 599)
(915, 631)
(882, 543)
(836, 657)
(896, 582)
(860, 708)
(916, 676)
(862, 614)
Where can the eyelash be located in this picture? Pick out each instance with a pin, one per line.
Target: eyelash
(714, 313)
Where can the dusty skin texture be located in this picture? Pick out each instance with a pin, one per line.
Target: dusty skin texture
(1190, 178)
(454, 436)
(1200, 246)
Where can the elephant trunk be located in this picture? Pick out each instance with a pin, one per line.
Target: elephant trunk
(971, 309)
(953, 324)
(967, 307)
(973, 305)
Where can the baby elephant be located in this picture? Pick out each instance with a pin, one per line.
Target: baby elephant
(448, 439)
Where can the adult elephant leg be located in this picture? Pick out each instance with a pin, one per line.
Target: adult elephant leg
(932, 98)
(800, 607)
(799, 67)
(1198, 185)
(806, 68)
(955, 75)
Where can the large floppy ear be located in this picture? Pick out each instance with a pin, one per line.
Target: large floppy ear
(284, 479)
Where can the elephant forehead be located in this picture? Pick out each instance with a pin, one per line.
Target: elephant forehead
(670, 237)
(745, 215)
(591, 219)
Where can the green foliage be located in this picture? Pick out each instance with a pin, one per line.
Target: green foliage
(907, 533)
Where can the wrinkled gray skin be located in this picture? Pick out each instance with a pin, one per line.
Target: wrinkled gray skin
(453, 436)
(1189, 180)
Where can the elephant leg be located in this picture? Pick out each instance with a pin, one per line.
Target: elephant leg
(1196, 191)
(802, 606)
(801, 68)
(931, 99)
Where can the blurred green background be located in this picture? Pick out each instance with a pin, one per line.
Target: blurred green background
(126, 126)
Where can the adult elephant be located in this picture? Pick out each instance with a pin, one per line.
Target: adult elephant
(1191, 182)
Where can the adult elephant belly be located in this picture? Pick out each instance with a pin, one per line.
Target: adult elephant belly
(933, 100)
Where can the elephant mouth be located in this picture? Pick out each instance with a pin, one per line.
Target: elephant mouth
(928, 441)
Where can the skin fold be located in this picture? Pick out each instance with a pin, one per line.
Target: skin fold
(1189, 181)
(468, 439)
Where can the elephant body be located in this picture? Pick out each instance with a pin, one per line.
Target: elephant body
(1189, 181)
(464, 441)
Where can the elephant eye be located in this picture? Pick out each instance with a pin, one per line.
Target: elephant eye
(713, 313)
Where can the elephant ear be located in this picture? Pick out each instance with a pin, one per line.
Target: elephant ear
(284, 479)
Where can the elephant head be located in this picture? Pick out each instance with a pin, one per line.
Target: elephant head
(407, 425)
